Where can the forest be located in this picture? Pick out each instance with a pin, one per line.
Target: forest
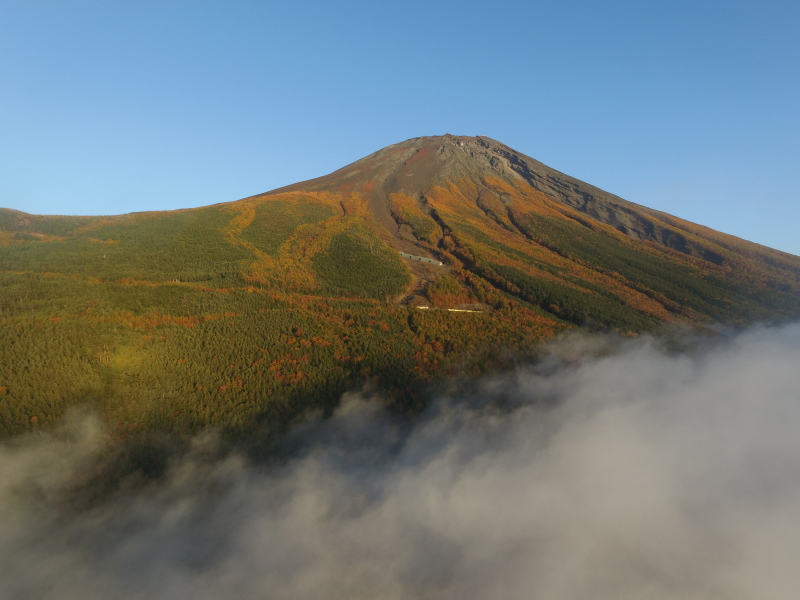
(170, 322)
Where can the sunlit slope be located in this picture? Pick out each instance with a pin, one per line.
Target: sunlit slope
(245, 314)
(239, 316)
(273, 243)
(502, 219)
(588, 272)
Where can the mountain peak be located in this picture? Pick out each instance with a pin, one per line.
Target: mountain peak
(483, 170)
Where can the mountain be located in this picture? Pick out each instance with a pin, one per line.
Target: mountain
(485, 209)
(435, 257)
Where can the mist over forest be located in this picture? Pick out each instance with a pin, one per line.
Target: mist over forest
(608, 469)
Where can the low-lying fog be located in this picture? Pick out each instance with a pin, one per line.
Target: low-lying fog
(636, 474)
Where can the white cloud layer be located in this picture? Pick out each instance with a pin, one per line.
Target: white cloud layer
(640, 474)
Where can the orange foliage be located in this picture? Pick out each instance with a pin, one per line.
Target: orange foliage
(292, 268)
(7, 238)
(286, 369)
(458, 204)
(405, 210)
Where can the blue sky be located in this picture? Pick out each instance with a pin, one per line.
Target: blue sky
(123, 105)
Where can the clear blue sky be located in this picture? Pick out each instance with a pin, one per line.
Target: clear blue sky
(112, 106)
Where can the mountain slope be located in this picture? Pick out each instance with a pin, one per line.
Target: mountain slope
(245, 314)
(483, 208)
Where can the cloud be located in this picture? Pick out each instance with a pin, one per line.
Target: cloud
(618, 471)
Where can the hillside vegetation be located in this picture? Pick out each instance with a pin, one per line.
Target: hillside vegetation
(244, 315)
(177, 321)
